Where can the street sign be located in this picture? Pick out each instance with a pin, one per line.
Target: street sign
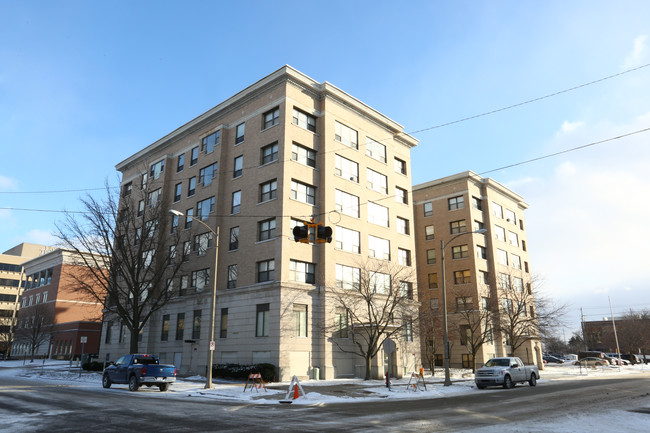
(389, 346)
(84, 340)
(212, 345)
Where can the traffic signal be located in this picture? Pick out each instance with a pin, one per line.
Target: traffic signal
(301, 234)
(323, 234)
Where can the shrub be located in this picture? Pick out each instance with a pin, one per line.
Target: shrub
(238, 371)
(93, 366)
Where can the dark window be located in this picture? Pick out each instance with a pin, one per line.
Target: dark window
(457, 227)
(239, 166)
(180, 325)
(164, 334)
(271, 118)
(127, 188)
(236, 202)
(232, 276)
(191, 187)
(178, 190)
(208, 143)
(269, 153)
(234, 239)
(206, 174)
(265, 271)
(428, 208)
(456, 202)
(196, 325)
(262, 320)
(266, 229)
(268, 190)
(223, 329)
(239, 133)
(188, 217)
(180, 163)
(304, 120)
(194, 156)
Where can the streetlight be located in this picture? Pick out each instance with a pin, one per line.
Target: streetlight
(445, 335)
(208, 382)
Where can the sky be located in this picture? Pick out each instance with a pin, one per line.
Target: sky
(86, 84)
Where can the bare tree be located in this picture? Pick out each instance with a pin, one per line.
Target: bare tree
(474, 322)
(633, 330)
(127, 247)
(431, 335)
(36, 327)
(376, 306)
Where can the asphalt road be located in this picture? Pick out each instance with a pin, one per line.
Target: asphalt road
(27, 406)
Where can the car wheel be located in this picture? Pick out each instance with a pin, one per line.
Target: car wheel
(533, 380)
(164, 387)
(133, 383)
(480, 386)
(598, 364)
(106, 381)
(507, 382)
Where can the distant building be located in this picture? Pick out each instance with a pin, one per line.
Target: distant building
(478, 267)
(50, 296)
(633, 334)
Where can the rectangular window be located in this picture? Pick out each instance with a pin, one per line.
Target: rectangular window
(154, 197)
(194, 156)
(377, 181)
(484, 277)
(262, 320)
(265, 271)
(406, 289)
(271, 118)
(164, 333)
(523, 245)
(185, 283)
(347, 277)
(208, 143)
(127, 188)
(504, 281)
(304, 120)
(204, 208)
(463, 303)
(269, 153)
(428, 208)
(377, 214)
(141, 208)
(457, 227)
(178, 191)
(375, 150)
(518, 284)
(407, 326)
(232, 276)
(456, 203)
(266, 230)
(346, 168)
(157, 169)
(502, 257)
(431, 257)
(400, 166)
(511, 217)
(497, 210)
(459, 252)
(379, 248)
(346, 204)
(403, 226)
(303, 155)
(238, 166)
(347, 240)
(341, 324)
(434, 304)
(196, 325)
(223, 323)
(189, 213)
(513, 238)
(109, 331)
(191, 187)
(206, 174)
(345, 135)
(236, 202)
(300, 320)
(200, 279)
(477, 203)
(401, 196)
(143, 181)
(303, 192)
(234, 239)
(429, 232)
(478, 225)
(202, 242)
(180, 326)
(171, 255)
(481, 252)
(239, 133)
(500, 233)
(180, 163)
(403, 257)
(462, 277)
(302, 272)
(516, 261)
(268, 190)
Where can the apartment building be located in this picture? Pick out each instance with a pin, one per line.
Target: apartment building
(71, 321)
(482, 270)
(281, 152)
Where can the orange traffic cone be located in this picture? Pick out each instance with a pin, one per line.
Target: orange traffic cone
(296, 394)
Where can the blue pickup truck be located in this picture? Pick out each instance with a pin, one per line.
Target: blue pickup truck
(137, 370)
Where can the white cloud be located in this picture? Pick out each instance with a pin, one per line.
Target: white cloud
(7, 183)
(569, 127)
(638, 52)
(42, 237)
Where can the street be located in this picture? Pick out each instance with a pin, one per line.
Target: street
(29, 406)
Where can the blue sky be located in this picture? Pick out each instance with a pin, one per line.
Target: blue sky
(85, 84)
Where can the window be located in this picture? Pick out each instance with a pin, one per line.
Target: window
(191, 187)
(478, 225)
(511, 217)
(304, 120)
(459, 252)
(481, 252)
(194, 156)
(223, 323)
(187, 249)
(341, 324)
(238, 166)
(127, 188)
(526, 267)
(477, 203)
(153, 197)
(206, 174)
(266, 230)
(268, 190)
(347, 277)
(265, 271)
(157, 169)
(457, 227)
(204, 208)
(375, 150)
(347, 240)
(303, 192)
(467, 360)
(433, 281)
(180, 326)
(456, 203)
(379, 283)
(463, 303)
(377, 181)
(346, 168)
(239, 133)
(513, 239)
(185, 283)
(465, 332)
(407, 326)
(345, 135)
(518, 284)
(428, 208)
(178, 191)
(303, 155)
(236, 202)
(143, 181)
(164, 333)
(521, 224)
(346, 204)
(232, 277)
(431, 257)
(497, 210)
(171, 255)
(234, 239)
(202, 242)
(400, 166)
(406, 289)
(302, 272)
(401, 196)
(269, 153)
(428, 232)
(262, 320)
(208, 143)
(188, 217)
(141, 208)
(403, 226)
(516, 261)
(403, 257)
(200, 279)
(271, 118)
(434, 303)
(506, 304)
(379, 248)
(502, 257)
(523, 245)
(504, 281)
(484, 277)
(377, 214)
(196, 325)
(109, 329)
(180, 163)
(500, 233)
(485, 303)
(462, 277)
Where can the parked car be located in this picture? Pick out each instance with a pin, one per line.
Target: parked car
(571, 357)
(591, 362)
(506, 372)
(632, 358)
(139, 369)
(552, 359)
(613, 359)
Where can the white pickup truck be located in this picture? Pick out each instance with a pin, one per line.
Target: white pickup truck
(506, 372)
